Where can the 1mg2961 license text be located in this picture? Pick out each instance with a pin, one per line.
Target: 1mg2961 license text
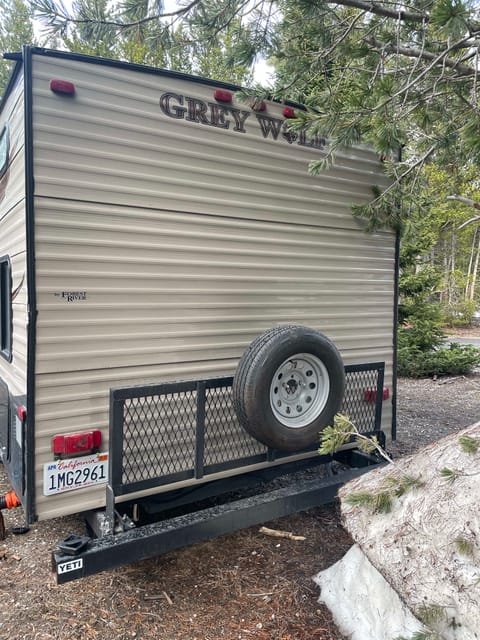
(75, 473)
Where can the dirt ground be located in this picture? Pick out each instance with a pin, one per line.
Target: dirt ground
(238, 587)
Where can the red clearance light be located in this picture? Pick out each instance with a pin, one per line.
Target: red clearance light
(222, 96)
(288, 112)
(75, 443)
(62, 86)
(371, 394)
(22, 413)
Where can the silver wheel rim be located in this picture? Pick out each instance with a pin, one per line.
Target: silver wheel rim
(299, 390)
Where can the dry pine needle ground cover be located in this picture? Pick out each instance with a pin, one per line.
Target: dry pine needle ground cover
(238, 587)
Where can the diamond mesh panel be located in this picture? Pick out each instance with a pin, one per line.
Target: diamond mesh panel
(225, 439)
(360, 412)
(159, 435)
(160, 438)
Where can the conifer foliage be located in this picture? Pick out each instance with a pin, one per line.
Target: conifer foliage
(401, 75)
(16, 29)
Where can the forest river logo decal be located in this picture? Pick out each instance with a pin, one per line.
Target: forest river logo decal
(221, 116)
(71, 296)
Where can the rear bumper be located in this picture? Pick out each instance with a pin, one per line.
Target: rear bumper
(151, 540)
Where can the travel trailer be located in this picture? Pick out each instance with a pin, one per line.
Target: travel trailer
(183, 307)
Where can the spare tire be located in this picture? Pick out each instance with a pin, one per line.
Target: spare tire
(288, 386)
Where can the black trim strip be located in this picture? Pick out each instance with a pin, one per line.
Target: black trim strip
(200, 430)
(396, 294)
(6, 311)
(29, 505)
(16, 57)
(121, 64)
(395, 335)
(378, 403)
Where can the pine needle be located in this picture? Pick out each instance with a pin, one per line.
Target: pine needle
(469, 444)
(430, 614)
(360, 499)
(383, 502)
(464, 546)
(449, 474)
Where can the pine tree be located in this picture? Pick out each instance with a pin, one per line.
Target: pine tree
(393, 76)
(16, 29)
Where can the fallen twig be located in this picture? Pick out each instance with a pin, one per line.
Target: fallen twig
(275, 533)
(159, 596)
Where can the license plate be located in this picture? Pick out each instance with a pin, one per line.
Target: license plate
(74, 473)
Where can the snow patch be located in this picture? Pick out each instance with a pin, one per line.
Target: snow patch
(362, 602)
(427, 549)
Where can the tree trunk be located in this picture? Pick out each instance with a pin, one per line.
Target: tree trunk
(451, 285)
(475, 270)
(468, 286)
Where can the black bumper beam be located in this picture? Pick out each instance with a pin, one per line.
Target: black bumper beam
(152, 540)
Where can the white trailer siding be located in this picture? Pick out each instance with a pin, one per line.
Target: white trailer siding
(13, 236)
(183, 242)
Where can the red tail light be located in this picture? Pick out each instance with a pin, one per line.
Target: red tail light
(75, 443)
(371, 394)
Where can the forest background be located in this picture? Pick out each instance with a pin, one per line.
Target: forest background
(402, 77)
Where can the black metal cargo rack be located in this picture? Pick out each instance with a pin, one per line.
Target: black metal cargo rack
(173, 434)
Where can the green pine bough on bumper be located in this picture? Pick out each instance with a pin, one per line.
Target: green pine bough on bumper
(395, 485)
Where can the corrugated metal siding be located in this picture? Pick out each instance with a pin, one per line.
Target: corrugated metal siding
(188, 242)
(12, 236)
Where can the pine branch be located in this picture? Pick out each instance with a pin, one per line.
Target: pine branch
(450, 475)
(394, 486)
(343, 430)
(379, 10)
(418, 163)
(469, 201)
(438, 59)
(411, 52)
(53, 10)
